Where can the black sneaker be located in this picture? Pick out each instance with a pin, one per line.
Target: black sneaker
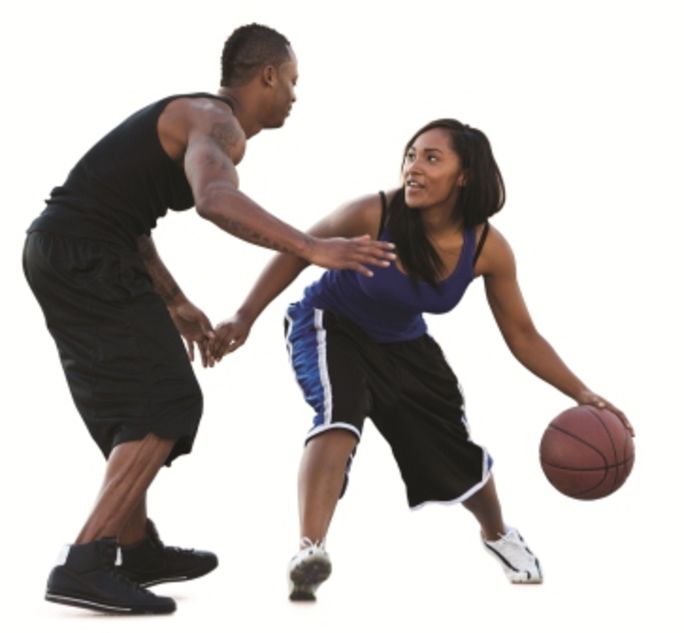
(151, 562)
(89, 579)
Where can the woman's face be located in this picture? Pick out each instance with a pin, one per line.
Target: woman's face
(432, 171)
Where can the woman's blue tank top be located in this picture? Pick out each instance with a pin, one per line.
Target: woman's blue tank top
(389, 306)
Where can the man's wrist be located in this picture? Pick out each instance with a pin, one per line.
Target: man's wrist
(173, 302)
(308, 247)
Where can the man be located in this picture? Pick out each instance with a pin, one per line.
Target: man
(111, 304)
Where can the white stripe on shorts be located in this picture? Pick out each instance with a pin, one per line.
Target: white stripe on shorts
(323, 366)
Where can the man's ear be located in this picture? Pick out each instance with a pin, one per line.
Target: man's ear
(269, 75)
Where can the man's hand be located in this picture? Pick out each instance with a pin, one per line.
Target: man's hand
(230, 334)
(356, 253)
(195, 328)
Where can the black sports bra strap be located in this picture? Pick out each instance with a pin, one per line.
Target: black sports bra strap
(480, 244)
(383, 216)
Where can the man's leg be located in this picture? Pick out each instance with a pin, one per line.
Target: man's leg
(131, 468)
(87, 576)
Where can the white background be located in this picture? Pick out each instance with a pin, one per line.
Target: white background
(582, 104)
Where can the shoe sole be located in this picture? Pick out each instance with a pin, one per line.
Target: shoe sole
(306, 577)
(196, 573)
(102, 607)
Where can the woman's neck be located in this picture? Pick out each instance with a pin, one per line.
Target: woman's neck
(438, 221)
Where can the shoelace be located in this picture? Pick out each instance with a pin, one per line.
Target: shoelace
(513, 538)
(157, 543)
(306, 542)
(120, 577)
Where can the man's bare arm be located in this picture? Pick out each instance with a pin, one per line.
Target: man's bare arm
(163, 281)
(192, 324)
(212, 150)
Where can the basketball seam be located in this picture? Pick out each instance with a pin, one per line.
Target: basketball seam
(606, 467)
(605, 462)
(579, 439)
(612, 443)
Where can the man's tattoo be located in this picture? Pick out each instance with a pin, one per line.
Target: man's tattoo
(240, 230)
(226, 135)
(162, 280)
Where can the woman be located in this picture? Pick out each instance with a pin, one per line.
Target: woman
(359, 346)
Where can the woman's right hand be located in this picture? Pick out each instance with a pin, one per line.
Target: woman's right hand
(229, 335)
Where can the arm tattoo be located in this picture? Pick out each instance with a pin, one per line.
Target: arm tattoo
(238, 229)
(163, 281)
(225, 135)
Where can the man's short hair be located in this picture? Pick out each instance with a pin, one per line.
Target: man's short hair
(248, 49)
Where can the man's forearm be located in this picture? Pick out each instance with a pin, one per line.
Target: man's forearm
(163, 281)
(237, 214)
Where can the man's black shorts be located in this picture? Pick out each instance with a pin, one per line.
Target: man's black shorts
(123, 358)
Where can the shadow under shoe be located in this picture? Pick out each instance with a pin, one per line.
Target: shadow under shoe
(150, 562)
(89, 579)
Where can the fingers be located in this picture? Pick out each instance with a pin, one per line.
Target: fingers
(372, 252)
(363, 270)
(191, 349)
(220, 341)
(363, 252)
(623, 418)
(601, 403)
(208, 359)
(205, 325)
(226, 340)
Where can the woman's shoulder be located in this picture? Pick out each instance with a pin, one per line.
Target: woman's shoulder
(356, 217)
(495, 253)
(371, 210)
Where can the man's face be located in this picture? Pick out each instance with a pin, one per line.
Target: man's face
(283, 91)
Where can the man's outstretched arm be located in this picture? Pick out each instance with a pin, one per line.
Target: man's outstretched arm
(209, 166)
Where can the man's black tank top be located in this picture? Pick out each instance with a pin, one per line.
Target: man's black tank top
(123, 185)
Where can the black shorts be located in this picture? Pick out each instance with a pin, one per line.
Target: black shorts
(124, 360)
(407, 389)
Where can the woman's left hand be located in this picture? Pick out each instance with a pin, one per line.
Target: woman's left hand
(594, 400)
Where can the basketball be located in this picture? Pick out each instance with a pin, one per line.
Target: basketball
(586, 453)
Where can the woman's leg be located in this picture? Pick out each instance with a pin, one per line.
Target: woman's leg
(321, 477)
(484, 504)
(519, 563)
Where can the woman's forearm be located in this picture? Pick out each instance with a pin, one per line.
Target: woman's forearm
(280, 272)
(537, 355)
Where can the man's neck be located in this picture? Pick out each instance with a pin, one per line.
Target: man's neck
(246, 111)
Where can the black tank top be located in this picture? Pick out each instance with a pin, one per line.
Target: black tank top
(125, 182)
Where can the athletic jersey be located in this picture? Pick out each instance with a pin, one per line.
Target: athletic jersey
(389, 306)
(123, 185)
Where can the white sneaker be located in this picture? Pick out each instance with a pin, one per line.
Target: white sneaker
(308, 569)
(519, 563)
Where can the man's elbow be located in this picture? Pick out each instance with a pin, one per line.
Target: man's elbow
(207, 205)
(211, 203)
